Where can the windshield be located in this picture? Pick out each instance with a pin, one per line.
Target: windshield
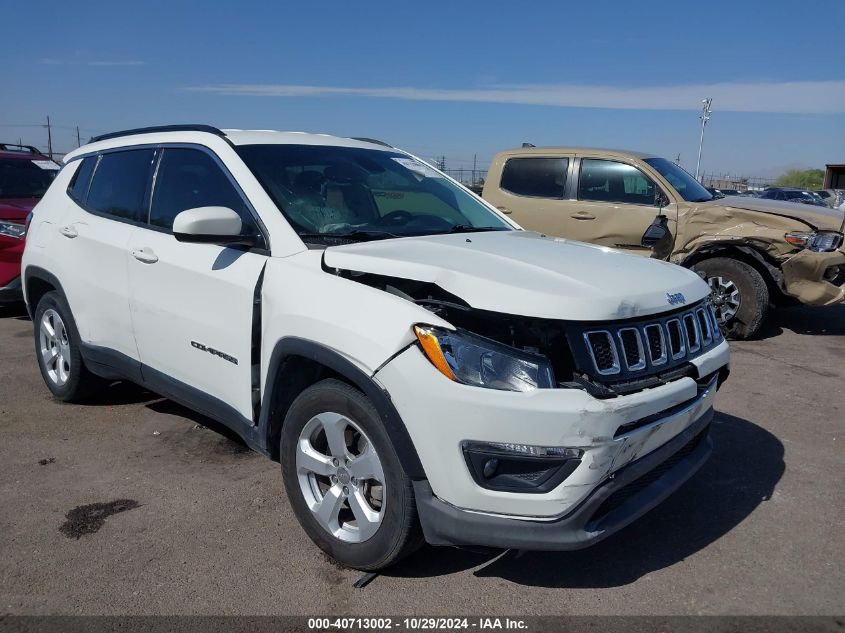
(356, 193)
(20, 178)
(687, 186)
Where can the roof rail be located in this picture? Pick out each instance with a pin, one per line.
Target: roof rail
(370, 140)
(159, 128)
(7, 148)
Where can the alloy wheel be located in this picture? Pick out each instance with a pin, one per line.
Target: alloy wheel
(726, 298)
(341, 477)
(55, 347)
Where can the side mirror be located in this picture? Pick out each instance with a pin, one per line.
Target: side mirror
(656, 232)
(661, 199)
(209, 225)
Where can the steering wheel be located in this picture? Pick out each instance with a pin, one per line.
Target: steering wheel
(399, 217)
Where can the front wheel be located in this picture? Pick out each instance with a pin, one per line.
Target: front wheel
(344, 479)
(739, 294)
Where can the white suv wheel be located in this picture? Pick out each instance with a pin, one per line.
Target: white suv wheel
(55, 347)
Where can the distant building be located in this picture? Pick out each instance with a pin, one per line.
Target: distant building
(834, 177)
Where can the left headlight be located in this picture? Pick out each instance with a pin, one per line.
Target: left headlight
(480, 362)
(12, 229)
(820, 242)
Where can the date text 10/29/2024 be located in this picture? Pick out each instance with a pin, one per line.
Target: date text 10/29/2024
(416, 624)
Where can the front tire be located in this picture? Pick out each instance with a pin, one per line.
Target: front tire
(344, 479)
(58, 348)
(739, 293)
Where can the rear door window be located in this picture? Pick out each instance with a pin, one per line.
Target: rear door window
(120, 184)
(535, 177)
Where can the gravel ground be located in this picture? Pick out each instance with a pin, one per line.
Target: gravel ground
(131, 504)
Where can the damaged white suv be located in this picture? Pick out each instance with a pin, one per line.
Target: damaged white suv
(423, 369)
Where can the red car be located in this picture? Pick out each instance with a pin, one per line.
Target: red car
(25, 174)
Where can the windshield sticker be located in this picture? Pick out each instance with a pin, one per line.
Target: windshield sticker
(46, 164)
(417, 167)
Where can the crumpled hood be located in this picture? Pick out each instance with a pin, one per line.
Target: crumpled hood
(525, 273)
(823, 218)
(16, 208)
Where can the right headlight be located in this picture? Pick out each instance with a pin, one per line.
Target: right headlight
(819, 242)
(480, 362)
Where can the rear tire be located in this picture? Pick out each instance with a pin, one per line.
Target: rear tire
(58, 349)
(739, 294)
(335, 450)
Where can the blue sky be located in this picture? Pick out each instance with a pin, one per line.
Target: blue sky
(442, 78)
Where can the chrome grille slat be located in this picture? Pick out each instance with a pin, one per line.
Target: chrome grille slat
(677, 342)
(639, 363)
(662, 356)
(602, 349)
(692, 331)
(704, 327)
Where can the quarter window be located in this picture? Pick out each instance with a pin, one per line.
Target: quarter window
(536, 177)
(190, 178)
(78, 188)
(120, 184)
(610, 181)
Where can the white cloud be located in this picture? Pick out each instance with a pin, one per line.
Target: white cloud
(805, 97)
(51, 61)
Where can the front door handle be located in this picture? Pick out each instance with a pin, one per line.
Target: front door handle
(145, 255)
(583, 215)
(69, 231)
(504, 210)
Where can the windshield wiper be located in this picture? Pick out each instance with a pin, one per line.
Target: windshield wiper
(466, 228)
(357, 235)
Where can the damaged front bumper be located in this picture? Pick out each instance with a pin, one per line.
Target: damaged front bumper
(610, 434)
(624, 497)
(816, 279)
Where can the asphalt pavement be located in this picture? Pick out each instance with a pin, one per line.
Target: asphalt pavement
(131, 504)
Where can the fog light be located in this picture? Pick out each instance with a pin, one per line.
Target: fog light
(510, 467)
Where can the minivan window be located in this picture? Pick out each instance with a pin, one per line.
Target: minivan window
(611, 181)
(78, 188)
(359, 193)
(535, 177)
(190, 178)
(120, 183)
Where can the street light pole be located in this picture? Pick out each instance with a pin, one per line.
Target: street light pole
(705, 117)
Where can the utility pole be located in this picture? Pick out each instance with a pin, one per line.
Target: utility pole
(78, 142)
(705, 117)
(474, 161)
(678, 160)
(49, 139)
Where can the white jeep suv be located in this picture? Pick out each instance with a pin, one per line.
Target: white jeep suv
(422, 368)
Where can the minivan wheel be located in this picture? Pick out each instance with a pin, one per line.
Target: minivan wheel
(344, 479)
(57, 346)
(739, 294)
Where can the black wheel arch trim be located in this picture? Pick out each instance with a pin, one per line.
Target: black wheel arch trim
(311, 350)
(36, 272)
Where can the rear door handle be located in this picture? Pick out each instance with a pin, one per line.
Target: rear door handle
(504, 210)
(69, 231)
(583, 215)
(145, 255)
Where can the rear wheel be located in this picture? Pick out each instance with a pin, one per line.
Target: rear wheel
(57, 346)
(344, 479)
(739, 294)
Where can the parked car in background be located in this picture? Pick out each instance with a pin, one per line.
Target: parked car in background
(423, 369)
(752, 252)
(25, 175)
(789, 194)
(833, 197)
(721, 193)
